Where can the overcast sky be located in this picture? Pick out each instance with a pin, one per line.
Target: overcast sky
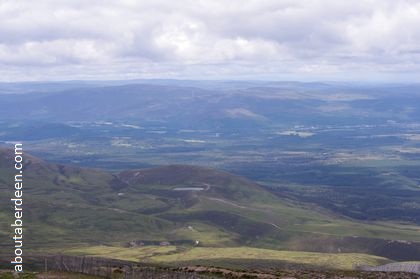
(210, 39)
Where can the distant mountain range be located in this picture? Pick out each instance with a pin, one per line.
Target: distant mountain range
(211, 106)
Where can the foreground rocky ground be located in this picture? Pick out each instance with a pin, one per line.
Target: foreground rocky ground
(298, 274)
(211, 272)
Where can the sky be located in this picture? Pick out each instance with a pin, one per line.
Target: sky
(307, 40)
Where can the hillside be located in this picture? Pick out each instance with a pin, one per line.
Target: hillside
(70, 207)
(193, 180)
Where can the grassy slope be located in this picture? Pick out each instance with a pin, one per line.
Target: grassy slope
(170, 255)
(289, 218)
(256, 205)
(67, 205)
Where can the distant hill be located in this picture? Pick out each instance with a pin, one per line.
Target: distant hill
(209, 105)
(198, 180)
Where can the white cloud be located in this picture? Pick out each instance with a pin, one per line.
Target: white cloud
(307, 39)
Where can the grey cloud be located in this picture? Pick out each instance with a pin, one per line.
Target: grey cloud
(325, 39)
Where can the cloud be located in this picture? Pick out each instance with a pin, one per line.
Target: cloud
(275, 39)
